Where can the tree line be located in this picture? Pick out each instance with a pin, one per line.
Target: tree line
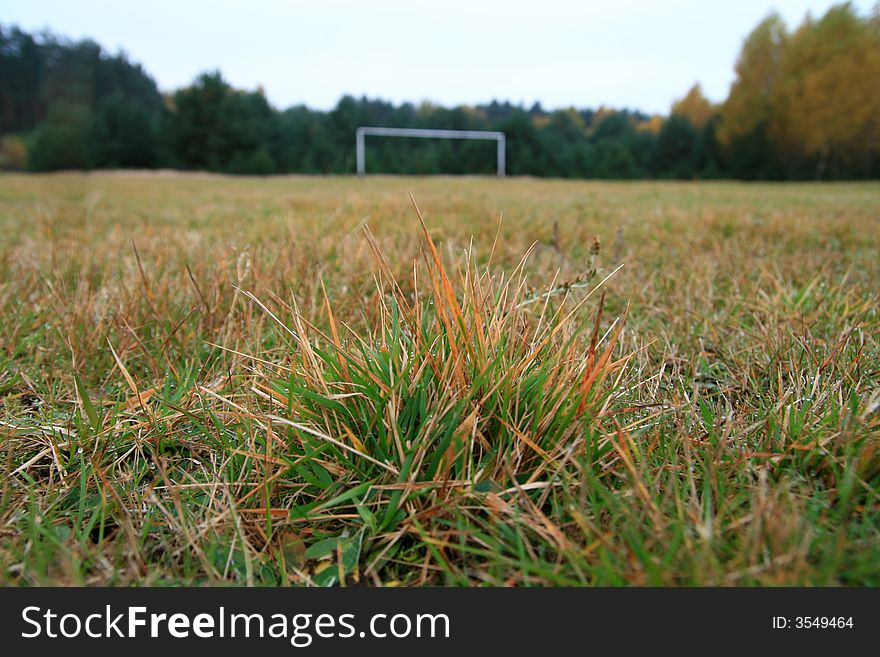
(805, 104)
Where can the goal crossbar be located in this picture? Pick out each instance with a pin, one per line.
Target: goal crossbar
(426, 133)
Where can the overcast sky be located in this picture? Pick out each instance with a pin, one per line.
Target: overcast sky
(628, 53)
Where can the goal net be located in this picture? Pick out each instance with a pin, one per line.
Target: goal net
(424, 133)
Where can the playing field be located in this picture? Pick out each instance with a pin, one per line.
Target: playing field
(289, 381)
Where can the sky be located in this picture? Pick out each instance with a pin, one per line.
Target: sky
(641, 54)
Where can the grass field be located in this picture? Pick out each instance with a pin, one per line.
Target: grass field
(290, 381)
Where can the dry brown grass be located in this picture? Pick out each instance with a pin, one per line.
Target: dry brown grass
(732, 439)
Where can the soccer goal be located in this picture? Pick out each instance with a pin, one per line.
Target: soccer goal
(424, 133)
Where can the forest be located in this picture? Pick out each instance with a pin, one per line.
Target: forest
(804, 105)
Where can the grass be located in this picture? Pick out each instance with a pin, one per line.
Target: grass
(309, 381)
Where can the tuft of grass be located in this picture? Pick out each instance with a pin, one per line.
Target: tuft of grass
(458, 396)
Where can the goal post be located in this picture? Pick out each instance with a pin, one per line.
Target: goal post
(425, 133)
